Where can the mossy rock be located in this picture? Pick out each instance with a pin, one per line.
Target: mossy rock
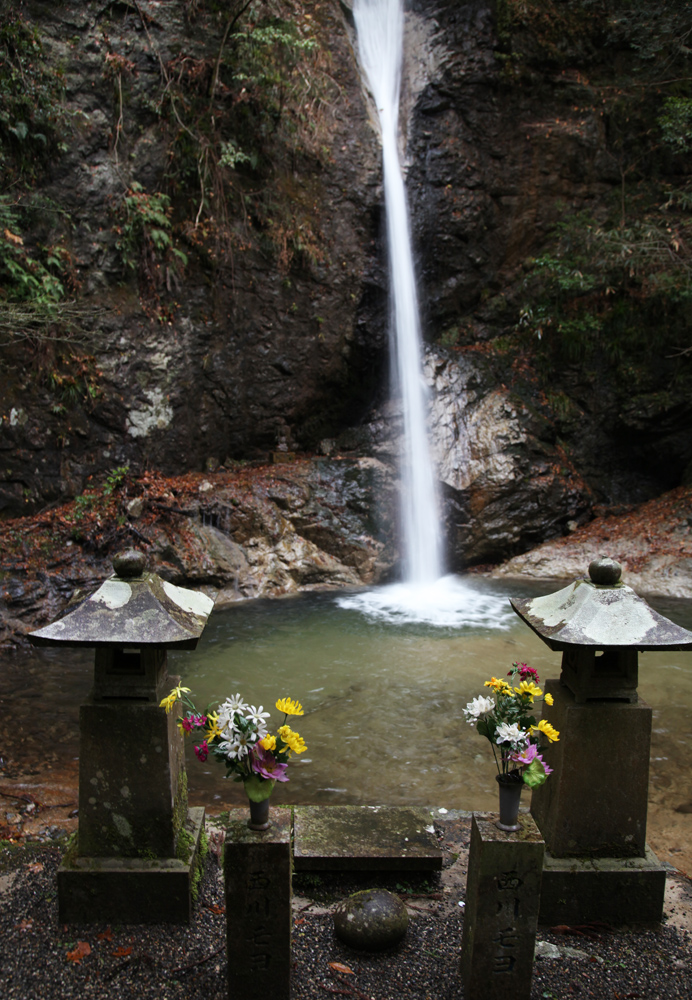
(371, 920)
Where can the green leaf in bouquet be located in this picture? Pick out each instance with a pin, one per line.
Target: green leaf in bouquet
(534, 775)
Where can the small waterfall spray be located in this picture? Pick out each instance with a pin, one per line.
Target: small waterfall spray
(380, 38)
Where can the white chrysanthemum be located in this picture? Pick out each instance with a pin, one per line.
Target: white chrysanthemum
(510, 733)
(231, 748)
(257, 715)
(227, 711)
(479, 706)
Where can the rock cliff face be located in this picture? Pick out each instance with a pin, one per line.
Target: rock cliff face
(251, 344)
(245, 349)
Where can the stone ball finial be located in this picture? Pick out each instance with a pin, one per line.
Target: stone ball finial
(129, 563)
(605, 571)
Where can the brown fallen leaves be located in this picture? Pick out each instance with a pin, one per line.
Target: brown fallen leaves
(81, 951)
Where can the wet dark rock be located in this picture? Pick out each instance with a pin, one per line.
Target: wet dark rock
(371, 920)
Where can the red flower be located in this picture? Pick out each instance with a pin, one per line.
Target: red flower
(202, 751)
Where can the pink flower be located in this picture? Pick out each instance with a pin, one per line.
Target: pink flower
(525, 673)
(546, 767)
(525, 756)
(202, 751)
(265, 764)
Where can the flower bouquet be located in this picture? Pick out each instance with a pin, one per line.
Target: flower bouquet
(506, 719)
(237, 735)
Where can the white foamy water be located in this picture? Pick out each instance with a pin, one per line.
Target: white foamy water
(379, 24)
(448, 602)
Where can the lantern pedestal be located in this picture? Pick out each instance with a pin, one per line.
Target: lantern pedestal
(592, 814)
(595, 802)
(131, 890)
(132, 803)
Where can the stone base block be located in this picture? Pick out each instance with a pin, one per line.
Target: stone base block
(364, 838)
(609, 890)
(130, 890)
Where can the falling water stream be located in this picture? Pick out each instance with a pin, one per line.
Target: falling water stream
(380, 39)
(425, 594)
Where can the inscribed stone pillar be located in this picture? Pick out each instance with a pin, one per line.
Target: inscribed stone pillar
(501, 915)
(257, 868)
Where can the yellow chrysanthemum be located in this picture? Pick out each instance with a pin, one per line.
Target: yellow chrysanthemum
(498, 684)
(268, 743)
(289, 707)
(544, 727)
(548, 699)
(528, 688)
(212, 727)
(169, 701)
(294, 741)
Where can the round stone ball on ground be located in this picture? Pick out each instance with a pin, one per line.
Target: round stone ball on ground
(371, 920)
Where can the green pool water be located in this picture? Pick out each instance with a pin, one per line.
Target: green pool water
(383, 697)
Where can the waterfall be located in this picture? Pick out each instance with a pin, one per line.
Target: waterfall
(379, 24)
(425, 597)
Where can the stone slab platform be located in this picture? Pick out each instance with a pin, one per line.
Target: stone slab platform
(129, 890)
(364, 838)
(609, 890)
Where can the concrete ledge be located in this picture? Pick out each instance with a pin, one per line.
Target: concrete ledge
(364, 838)
(610, 890)
(129, 890)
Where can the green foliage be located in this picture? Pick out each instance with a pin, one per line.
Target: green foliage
(32, 114)
(115, 479)
(676, 124)
(561, 30)
(145, 229)
(26, 276)
(145, 240)
(621, 290)
(244, 124)
(74, 378)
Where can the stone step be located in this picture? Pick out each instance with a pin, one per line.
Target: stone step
(364, 838)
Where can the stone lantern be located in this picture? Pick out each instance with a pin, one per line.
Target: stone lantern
(592, 810)
(134, 858)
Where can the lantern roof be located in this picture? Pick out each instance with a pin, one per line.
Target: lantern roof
(131, 608)
(600, 611)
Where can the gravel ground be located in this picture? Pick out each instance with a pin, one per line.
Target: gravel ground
(165, 962)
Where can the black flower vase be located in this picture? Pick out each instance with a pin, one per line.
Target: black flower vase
(259, 815)
(510, 797)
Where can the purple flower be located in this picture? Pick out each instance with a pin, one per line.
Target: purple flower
(265, 764)
(525, 756)
(202, 751)
(547, 768)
